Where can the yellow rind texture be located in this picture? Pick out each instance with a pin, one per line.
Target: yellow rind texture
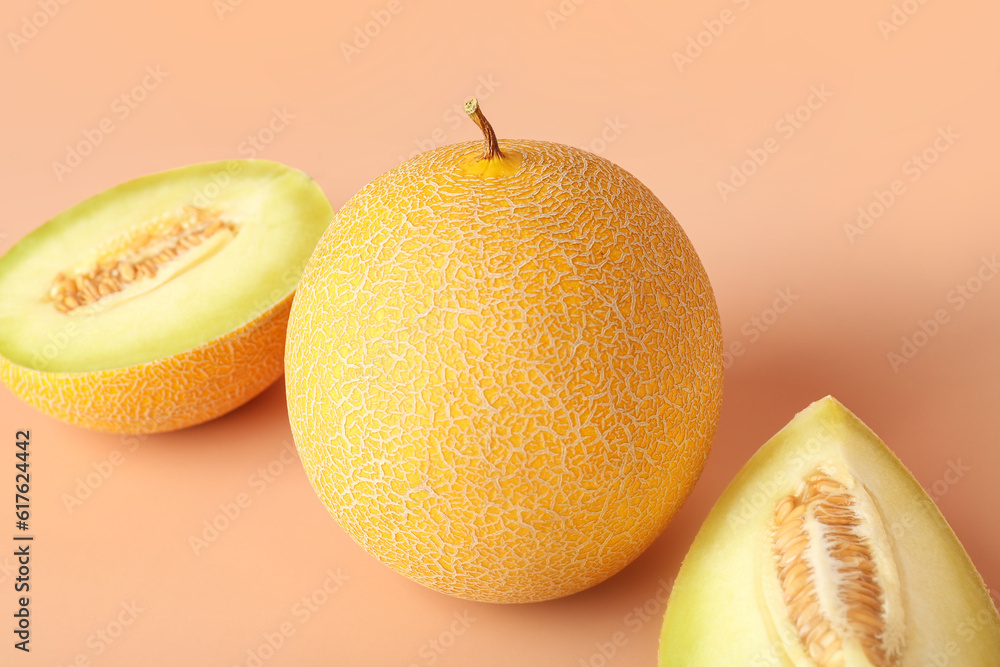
(717, 613)
(166, 394)
(504, 386)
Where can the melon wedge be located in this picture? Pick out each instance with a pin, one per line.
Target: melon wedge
(161, 302)
(824, 551)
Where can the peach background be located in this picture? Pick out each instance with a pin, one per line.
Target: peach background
(684, 130)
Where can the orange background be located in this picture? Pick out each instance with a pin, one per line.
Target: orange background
(605, 78)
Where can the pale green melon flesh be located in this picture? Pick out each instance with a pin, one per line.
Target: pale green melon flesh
(280, 214)
(718, 615)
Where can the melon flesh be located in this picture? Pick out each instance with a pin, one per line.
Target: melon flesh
(279, 215)
(217, 297)
(920, 597)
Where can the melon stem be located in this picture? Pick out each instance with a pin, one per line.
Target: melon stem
(492, 148)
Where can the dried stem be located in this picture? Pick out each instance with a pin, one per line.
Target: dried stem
(492, 149)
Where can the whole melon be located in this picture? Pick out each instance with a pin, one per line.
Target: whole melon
(504, 368)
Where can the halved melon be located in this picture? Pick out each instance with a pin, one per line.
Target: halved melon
(161, 302)
(825, 552)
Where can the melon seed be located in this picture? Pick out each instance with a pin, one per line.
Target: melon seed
(135, 255)
(823, 516)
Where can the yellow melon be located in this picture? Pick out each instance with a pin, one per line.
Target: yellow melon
(504, 368)
(161, 302)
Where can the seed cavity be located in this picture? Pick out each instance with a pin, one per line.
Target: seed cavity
(129, 265)
(837, 578)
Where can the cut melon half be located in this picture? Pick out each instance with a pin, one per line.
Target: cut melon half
(162, 302)
(825, 552)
